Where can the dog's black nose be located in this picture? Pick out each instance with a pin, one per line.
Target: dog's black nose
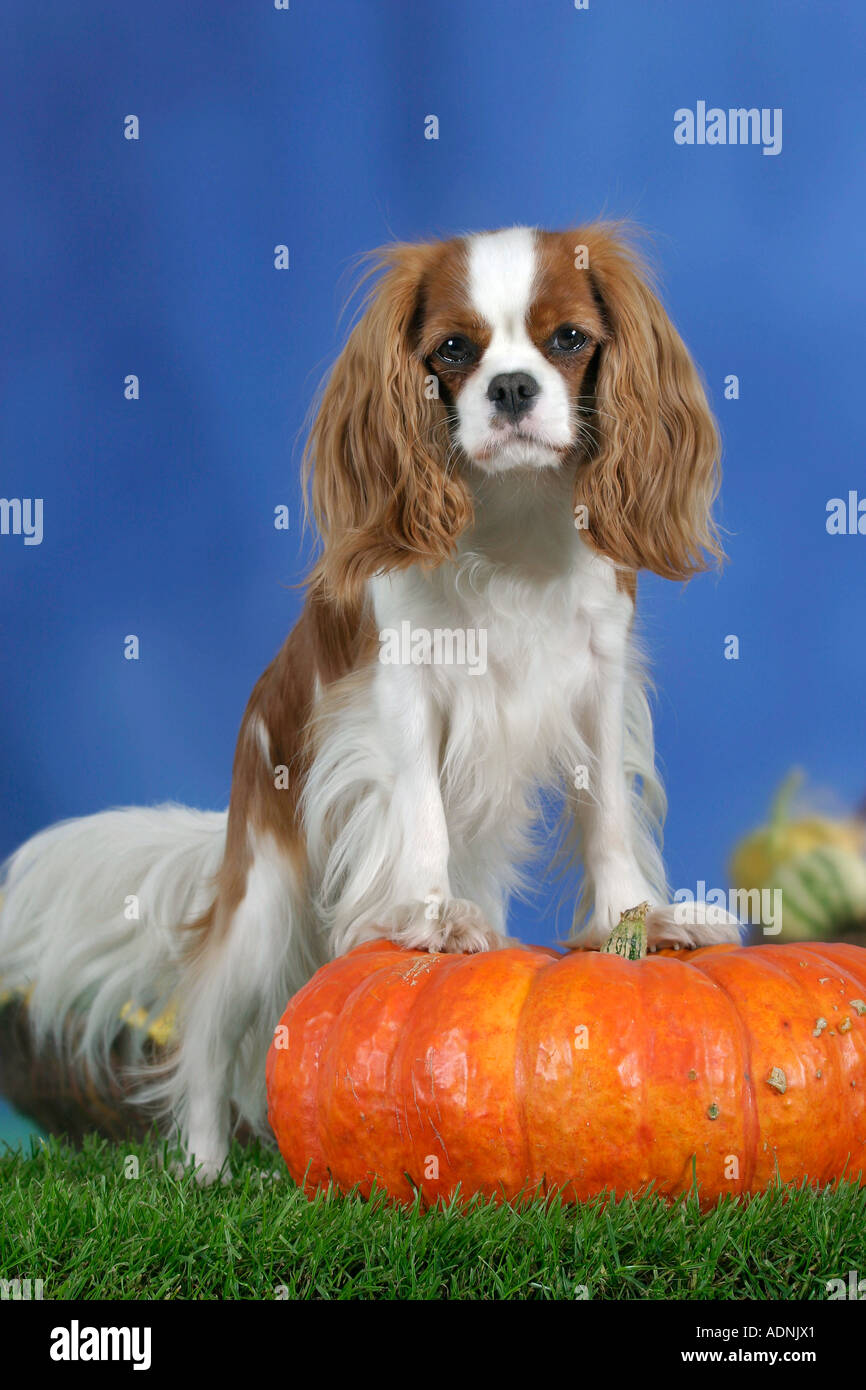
(513, 393)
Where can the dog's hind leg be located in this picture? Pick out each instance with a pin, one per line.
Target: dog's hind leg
(252, 956)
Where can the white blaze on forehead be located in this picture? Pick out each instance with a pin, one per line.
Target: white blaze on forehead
(502, 268)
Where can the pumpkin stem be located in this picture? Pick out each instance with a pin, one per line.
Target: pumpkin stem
(628, 938)
(782, 804)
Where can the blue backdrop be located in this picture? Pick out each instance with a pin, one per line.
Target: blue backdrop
(307, 127)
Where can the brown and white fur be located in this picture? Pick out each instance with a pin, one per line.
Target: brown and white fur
(494, 384)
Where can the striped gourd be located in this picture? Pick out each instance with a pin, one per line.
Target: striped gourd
(823, 890)
(816, 862)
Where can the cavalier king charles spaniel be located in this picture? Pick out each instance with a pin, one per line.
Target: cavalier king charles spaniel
(513, 429)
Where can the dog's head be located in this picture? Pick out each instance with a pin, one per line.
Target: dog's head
(516, 349)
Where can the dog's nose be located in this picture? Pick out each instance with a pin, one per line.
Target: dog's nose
(513, 393)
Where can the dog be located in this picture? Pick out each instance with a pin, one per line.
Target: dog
(512, 431)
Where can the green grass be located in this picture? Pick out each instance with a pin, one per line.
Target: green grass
(74, 1220)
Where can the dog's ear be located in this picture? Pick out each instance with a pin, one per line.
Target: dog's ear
(381, 495)
(651, 479)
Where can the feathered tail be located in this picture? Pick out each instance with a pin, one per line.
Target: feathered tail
(90, 912)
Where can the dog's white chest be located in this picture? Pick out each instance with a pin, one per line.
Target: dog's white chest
(510, 662)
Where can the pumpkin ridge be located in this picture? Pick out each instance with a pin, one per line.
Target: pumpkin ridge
(328, 1077)
(751, 1126)
(521, 1080)
(834, 1061)
(488, 1135)
(653, 1044)
(646, 1049)
(827, 953)
(773, 960)
(430, 981)
(283, 1078)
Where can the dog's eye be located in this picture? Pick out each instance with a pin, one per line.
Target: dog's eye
(567, 338)
(457, 351)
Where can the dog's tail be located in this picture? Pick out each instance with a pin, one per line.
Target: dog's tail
(91, 918)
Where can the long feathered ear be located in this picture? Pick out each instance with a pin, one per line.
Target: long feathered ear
(381, 494)
(650, 483)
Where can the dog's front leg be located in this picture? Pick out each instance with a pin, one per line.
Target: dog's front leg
(423, 913)
(610, 829)
(622, 860)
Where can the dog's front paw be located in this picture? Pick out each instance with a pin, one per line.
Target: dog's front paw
(440, 923)
(683, 926)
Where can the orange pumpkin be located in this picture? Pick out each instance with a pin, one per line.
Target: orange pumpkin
(582, 1071)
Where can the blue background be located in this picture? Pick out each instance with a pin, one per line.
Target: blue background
(156, 257)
